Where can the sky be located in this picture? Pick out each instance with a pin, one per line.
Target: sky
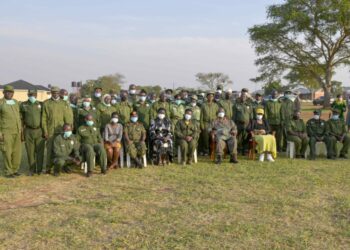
(164, 42)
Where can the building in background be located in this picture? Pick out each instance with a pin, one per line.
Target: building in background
(21, 90)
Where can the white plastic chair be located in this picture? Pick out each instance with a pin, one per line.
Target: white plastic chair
(195, 158)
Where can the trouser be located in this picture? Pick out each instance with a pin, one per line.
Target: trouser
(35, 146)
(92, 152)
(12, 152)
(187, 149)
(242, 136)
(300, 144)
(332, 146)
(49, 152)
(60, 163)
(231, 146)
(312, 144)
(136, 149)
(205, 136)
(278, 131)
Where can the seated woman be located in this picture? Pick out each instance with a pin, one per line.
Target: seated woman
(259, 129)
(112, 140)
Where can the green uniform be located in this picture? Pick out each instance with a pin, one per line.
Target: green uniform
(316, 130)
(10, 131)
(33, 135)
(208, 115)
(274, 118)
(75, 109)
(341, 106)
(157, 105)
(336, 131)
(257, 105)
(55, 115)
(242, 114)
(144, 113)
(104, 113)
(287, 111)
(124, 109)
(91, 147)
(65, 149)
(196, 112)
(132, 99)
(82, 113)
(227, 105)
(296, 132)
(223, 129)
(95, 100)
(176, 113)
(136, 133)
(183, 129)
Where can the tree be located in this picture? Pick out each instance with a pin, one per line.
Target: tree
(312, 35)
(212, 80)
(268, 87)
(151, 88)
(107, 83)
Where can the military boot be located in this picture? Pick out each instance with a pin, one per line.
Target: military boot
(218, 160)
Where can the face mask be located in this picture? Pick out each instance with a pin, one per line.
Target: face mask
(217, 99)
(132, 91)
(32, 99)
(219, 91)
(98, 94)
(86, 104)
(10, 102)
(178, 102)
(188, 117)
(153, 101)
(193, 104)
(335, 117)
(114, 101)
(221, 114)
(65, 98)
(114, 120)
(161, 116)
(143, 98)
(55, 99)
(107, 105)
(134, 119)
(90, 123)
(259, 117)
(316, 117)
(48, 96)
(67, 134)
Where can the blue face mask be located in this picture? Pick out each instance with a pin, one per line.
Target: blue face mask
(10, 102)
(67, 134)
(178, 102)
(90, 123)
(32, 99)
(86, 104)
(134, 119)
(65, 98)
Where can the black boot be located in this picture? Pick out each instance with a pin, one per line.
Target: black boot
(218, 160)
(138, 162)
(234, 159)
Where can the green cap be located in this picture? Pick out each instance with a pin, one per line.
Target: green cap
(32, 91)
(55, 89)
(245, 90)
(194, 97)
(210, 93)
(8, 88)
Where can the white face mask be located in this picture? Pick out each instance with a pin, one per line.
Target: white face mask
(221, 114)
(143, 98)
(188, 117)
(114, 101)
(219, 91)
(161, 116)
(98, 94)
(259, 117)
(316, 117)
(194, 104)
(114, 120)
(132, 91)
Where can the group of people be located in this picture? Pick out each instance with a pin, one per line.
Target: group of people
(94, 129)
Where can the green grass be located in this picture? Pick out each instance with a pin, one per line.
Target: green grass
(290, 204)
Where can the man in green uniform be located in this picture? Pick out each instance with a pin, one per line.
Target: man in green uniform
(97, 96)
(65, 97)
(296, 132)
(124, 108)
(273, 117)
(227, 104)
(10, 132)
(196, 110)
(187, 134)
(161, 103)
(209, 110)
(339, 104)
(258, 103)
(135, 136)
(73, 103)
(65, 150)
(316, 130)
(177, 110)
(85, 109)
(104, 111)
(336, 131)
(225, 131)
(132, 99)
(287, 110)
(242, 114)
(91, 145)
(31, 111)
(143, 110)
(55, 115)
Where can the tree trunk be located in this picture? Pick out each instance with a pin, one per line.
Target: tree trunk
(327, 87)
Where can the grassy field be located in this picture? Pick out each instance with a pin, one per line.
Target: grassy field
(290, 204)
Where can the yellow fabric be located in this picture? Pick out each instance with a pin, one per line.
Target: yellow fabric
(266, 143)
(260, 111)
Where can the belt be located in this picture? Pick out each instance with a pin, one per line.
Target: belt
(32, 127)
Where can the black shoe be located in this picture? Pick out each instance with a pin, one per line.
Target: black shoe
(138, 163)
(56, 174)
(30, 173)
(312, 158)
(218, 160)
(48, 172)
(103, 171)
(330, 157)
(17, 174)
(343, 156)
(67, 170)
(88, 174)
(10, 176)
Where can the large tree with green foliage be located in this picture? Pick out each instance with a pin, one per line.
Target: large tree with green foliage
(212, 80)
(310, 36)
(107, 83)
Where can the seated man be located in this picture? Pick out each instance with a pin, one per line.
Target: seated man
(135, 136)
(91, 145)
(161, 136)
(296, 132)
(225, 132)
(336, 131)
(259, 129)
(65, 150)
(187, 134)
(316, 130)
